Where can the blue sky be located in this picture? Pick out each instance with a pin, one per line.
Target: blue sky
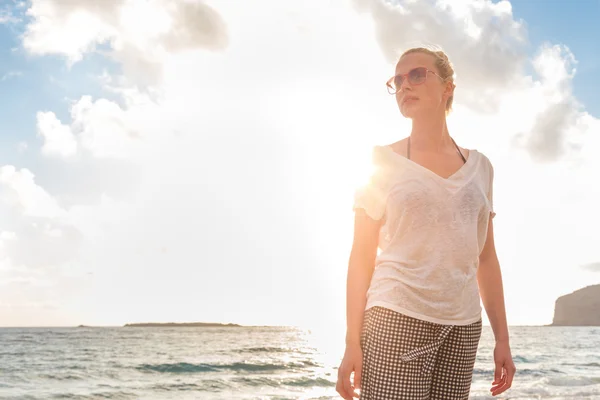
(574, 24)
(187, 204)
(31, 83)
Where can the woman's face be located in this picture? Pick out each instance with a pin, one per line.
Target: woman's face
(420, 99)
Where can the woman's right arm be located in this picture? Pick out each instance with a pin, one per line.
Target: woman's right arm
(360, 271)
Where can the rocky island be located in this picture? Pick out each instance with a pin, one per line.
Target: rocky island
(580, 308)
(181, 324)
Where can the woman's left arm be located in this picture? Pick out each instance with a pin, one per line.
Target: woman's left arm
(489, 279)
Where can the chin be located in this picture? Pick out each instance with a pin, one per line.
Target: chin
(409, 112)
(416, 110)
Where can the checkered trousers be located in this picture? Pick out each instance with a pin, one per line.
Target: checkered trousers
(405, 358)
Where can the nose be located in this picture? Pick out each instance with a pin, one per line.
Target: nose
(404, 85)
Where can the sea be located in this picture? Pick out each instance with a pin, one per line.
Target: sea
(230, 363)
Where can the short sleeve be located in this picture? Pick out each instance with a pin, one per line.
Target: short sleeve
(490, 189)
(372, 196)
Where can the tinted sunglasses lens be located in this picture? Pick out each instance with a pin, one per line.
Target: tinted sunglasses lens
(398, 82)
(417, 76)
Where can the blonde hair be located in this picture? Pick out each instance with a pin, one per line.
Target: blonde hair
(443, 65)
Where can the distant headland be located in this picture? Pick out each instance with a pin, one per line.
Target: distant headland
(180, 325)
(580, 308)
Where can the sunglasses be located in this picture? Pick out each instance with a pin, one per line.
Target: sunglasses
(415, 76)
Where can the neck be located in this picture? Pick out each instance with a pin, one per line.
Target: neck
(430, 134)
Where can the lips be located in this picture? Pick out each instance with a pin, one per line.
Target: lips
(409, 98)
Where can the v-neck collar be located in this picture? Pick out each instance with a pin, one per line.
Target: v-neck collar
(460, 171)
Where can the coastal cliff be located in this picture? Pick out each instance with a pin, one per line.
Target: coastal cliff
(580, 308)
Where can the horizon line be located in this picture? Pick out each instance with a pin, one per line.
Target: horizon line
(241, 325)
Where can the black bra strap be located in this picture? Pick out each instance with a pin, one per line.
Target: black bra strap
(457, 148)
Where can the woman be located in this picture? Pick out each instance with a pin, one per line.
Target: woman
(413, 310)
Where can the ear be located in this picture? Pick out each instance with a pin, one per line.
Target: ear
(449, 88)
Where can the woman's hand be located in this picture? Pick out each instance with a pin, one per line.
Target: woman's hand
(352, 361)
(505, 368)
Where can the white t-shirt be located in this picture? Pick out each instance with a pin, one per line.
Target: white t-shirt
(433, 231)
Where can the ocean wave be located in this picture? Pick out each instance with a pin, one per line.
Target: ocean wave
(24, 340)
(64, 377)
(270, 350)
(167, 387)
(117, 395)
(573, 381)
(182, 367)
(478, 372)
(520, 360)
(310, 382)
(217, 385)
(16, 354)
(592, 364)
(265, 350)
(304, 382)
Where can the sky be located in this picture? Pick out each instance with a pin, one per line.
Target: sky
(166, 161)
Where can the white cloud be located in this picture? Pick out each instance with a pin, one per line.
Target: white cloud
(7, 16)
(68, 28)
(5, 235)
(11, 74)
(558, 122)
(138, 34)
(246, 157)
(101, 127)
(487, 47)
(483, 40)
(43, 244)
(58, 139)
(21, 191)
(38, 251)
(595, 267)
